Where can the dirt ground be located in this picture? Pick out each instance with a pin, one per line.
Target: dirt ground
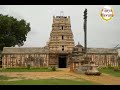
(63, 74)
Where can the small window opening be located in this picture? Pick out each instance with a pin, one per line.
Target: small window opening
(62, 27)
(62, 48)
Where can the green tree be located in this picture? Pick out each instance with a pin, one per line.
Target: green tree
(12, 31)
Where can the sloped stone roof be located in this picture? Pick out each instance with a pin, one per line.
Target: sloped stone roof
(79, 45)
(25, 50)
(46, 50)
(101, 50)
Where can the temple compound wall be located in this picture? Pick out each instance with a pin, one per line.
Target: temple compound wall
(41, 57)
(13, 57)
(103, 56)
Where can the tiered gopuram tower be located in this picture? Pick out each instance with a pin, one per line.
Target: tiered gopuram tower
(61, 41)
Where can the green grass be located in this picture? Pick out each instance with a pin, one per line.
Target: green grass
(110, 71)
(48, 82)
(26, 70)
(2, 77)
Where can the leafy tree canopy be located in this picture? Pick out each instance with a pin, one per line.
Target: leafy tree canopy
(12, 31)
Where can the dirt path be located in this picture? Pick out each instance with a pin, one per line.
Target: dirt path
(64, 74)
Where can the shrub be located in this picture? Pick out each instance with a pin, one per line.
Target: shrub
(53, 68)
(109, 66)
(119, 66)
(28, 66)
(102, 68)
(116, 69)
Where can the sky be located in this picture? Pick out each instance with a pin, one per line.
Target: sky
(100, 33)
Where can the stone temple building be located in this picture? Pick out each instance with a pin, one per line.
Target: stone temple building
(102, 57)
(22, 56)
(58, 50)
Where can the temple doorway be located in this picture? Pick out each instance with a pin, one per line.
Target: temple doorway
(62, 61)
